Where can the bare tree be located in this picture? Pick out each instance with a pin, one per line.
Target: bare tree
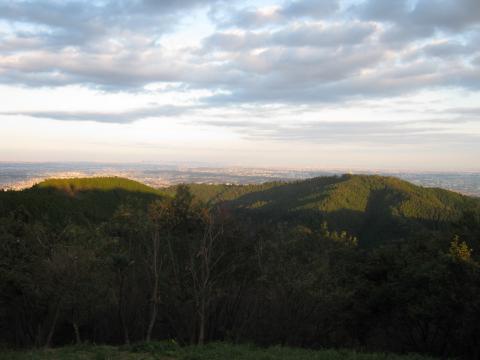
(155, 267)
(203, 266)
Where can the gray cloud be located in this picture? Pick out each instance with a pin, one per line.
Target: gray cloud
(106, 117)
(465, 112)
(291, 10)
(438, 14)
(82, 23)
(445, 49)
(313, 54)
(298, 76)
(310, 8)
(422, 18)
(314, 35)
(348, 132)
(298, 36)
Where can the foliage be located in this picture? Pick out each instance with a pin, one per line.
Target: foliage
(355, 262)
(75, 185)
(88, 201)
(374, 208)
(216, 351)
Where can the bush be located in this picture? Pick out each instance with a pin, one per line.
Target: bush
(168, 347)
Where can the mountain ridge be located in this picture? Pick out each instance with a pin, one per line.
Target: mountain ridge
(374, 208)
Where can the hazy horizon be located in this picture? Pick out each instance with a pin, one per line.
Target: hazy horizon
(214, 165)
(18, 176)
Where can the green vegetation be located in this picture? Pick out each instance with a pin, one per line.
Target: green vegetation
(215, 351)
(76, 185)
(373, 208)
(354, 262)
(80, 201)
(329, 194)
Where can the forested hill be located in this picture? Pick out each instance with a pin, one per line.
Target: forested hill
(79, 200)
(362, 262)
(76, 185)
(373, 208)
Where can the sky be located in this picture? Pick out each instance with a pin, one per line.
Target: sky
(357, 84)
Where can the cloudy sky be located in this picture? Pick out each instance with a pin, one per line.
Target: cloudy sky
(358, 84)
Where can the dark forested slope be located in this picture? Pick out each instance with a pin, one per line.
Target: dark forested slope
(373, 208)
(76, 200)
(361, 262)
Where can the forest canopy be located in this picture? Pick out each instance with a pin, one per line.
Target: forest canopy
(360, 262)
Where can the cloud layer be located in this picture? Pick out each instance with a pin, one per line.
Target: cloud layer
(263, 59)
(294, 52)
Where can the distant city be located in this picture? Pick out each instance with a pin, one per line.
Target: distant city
(17, 176)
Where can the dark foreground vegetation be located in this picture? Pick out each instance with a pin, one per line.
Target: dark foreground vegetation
(213, 351)
(359, 262)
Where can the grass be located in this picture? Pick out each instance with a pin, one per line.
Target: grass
(216, 351)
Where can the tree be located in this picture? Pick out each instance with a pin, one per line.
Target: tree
(204, 261)
(157, 212)
(460, 250)
(130, 231)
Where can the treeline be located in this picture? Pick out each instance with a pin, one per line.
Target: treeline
(181, 269)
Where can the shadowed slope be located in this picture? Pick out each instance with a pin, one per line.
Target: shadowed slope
(76, 185)
(375, 208)
(80, 200)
